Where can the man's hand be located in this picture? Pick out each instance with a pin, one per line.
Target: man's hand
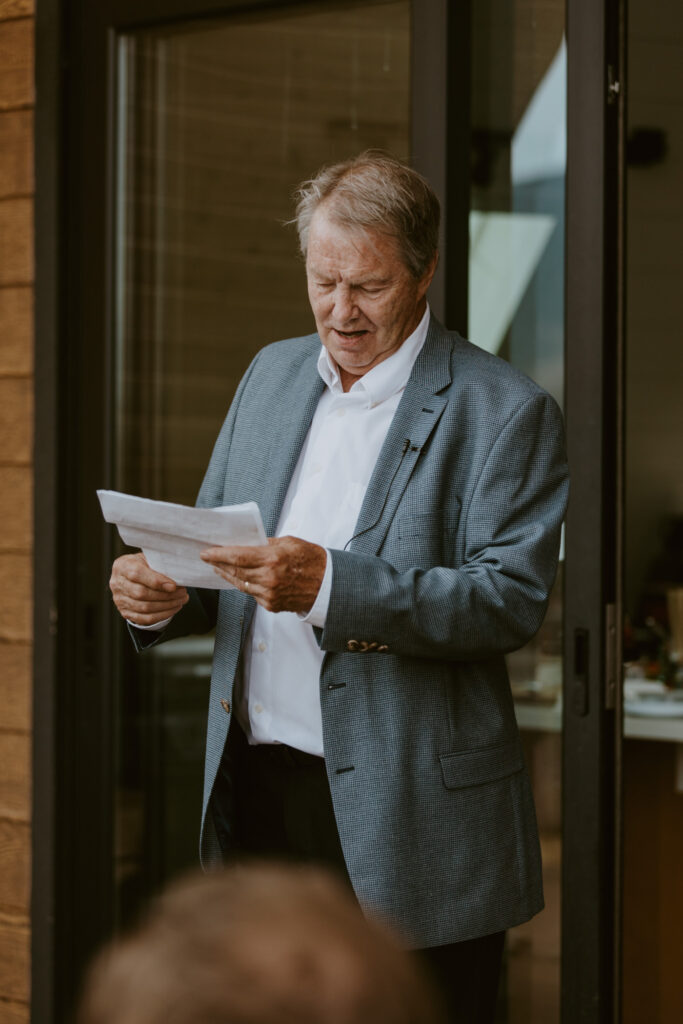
(283, 575)
(144, 596)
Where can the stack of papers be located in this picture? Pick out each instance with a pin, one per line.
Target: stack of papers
(172, 536)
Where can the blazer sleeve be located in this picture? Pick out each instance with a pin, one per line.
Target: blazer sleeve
(493, 602)
(199, 614)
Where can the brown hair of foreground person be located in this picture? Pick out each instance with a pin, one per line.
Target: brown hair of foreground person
(254, 945)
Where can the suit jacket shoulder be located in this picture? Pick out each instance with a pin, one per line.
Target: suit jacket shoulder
(289, 353)
(473, 367)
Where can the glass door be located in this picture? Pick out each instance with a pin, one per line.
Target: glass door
(516, 310)
(218, 122)
(546, 291)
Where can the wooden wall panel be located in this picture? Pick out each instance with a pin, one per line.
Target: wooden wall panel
(16, 64)
(15, 792)
(14, 959)
(16, 8)
(16, 331)
(16, 586)
(653, 884)
(15, 866)
(16, 508)
(16, 421)
(16, 480)
(16, 240)
(14, 1013)
(16, 686)
(16, 145)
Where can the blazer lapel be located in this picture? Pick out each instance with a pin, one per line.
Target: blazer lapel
(415, 419)
(288, 436)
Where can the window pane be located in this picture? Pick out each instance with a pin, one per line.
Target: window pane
(218, 123)
(516, 310)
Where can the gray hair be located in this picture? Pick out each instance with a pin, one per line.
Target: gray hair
(375, 190)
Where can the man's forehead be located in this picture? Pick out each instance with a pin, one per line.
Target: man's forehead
(363, 248)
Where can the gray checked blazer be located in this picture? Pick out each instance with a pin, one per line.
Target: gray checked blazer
(450, 566)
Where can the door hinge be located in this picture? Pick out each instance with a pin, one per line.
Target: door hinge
(610, 656)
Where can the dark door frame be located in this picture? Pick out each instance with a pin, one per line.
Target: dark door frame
(594, 534)
(73, 746)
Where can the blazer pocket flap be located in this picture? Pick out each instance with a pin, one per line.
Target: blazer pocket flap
(485, 764)
(419, 524)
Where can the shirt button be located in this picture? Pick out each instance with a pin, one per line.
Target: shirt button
(341, 412)
(258, 708)
(262, 647)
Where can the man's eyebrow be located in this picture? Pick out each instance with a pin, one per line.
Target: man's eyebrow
(361, 282)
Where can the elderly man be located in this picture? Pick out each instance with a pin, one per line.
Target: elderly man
(413, 487)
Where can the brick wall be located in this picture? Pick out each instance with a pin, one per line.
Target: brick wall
(16, 481)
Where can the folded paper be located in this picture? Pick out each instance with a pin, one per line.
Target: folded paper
(172, 536)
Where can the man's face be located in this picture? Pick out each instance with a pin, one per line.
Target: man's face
(365, 300)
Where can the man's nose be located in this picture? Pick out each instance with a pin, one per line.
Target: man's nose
(345, 307)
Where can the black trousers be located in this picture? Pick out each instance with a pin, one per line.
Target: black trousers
(277, 800)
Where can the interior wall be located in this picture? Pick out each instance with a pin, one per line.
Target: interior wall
(16, 480)
(654, 439)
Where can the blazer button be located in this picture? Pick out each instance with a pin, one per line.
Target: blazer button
(353, 645)
(225, 704)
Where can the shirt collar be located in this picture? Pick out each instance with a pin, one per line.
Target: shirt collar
(385, 379)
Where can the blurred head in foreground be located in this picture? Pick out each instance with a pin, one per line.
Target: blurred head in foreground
(254, 945)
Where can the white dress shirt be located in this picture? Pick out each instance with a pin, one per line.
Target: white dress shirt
(280, 701)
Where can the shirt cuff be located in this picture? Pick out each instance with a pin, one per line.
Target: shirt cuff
(155, 625)
(318, 613)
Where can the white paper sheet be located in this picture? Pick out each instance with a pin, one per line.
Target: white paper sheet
(172, 536)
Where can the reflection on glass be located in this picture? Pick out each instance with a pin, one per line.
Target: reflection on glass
(516, 310)
(218, 122)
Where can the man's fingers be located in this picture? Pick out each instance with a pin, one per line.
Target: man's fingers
(284, 575)
(153, 600)
(138, 592)
(155, 610)
(239, 557)
(142, 595)
(153, 604)
(134, 568)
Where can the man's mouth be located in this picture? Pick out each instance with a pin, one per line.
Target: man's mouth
(349, 335)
